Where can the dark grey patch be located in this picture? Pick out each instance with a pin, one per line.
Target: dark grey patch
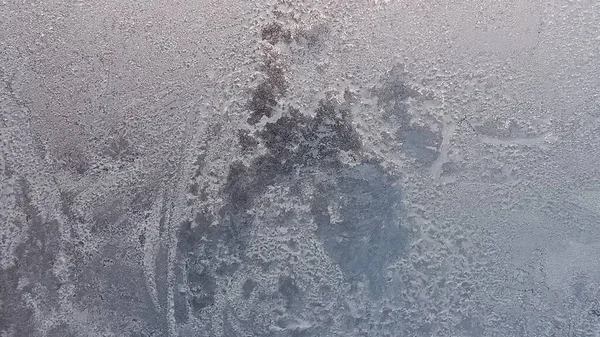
(161, 271)
(394, 88)
(120, 148)
(275, 32)
(102, 282)
(143, 200)
(281, 322)
(420, 143)
(201, 301)
(112, 283)
(471, 327)
(227, 268)
(15, 316)
(293, 141)
(194, 243)
(247, 142)
(163, 219)
(199, 163)
(393, 95)
(244, 183)
(36, 256)
(206, 238)
(203, 221)
(368, 236)
(289, 290)
(264, 101)
(188, 238)
(312, 37)
(293, 244)
(180, 303)
(23, 200)
(248, 288)
(265, 97)
(299, 140)
(265, 266)
(334, 130)
(8, 170)
(67, 199)
(74, 159)
(450, 169)
(202, 261)
(284, 136)
(107, 218)
(202, 287)
(194, 189)
(580, 286)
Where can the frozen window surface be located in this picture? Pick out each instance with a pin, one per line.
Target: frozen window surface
(299, 168)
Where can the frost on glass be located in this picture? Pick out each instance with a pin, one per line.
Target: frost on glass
(286, 168)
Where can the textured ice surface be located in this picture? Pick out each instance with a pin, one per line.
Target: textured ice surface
(299, 168)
